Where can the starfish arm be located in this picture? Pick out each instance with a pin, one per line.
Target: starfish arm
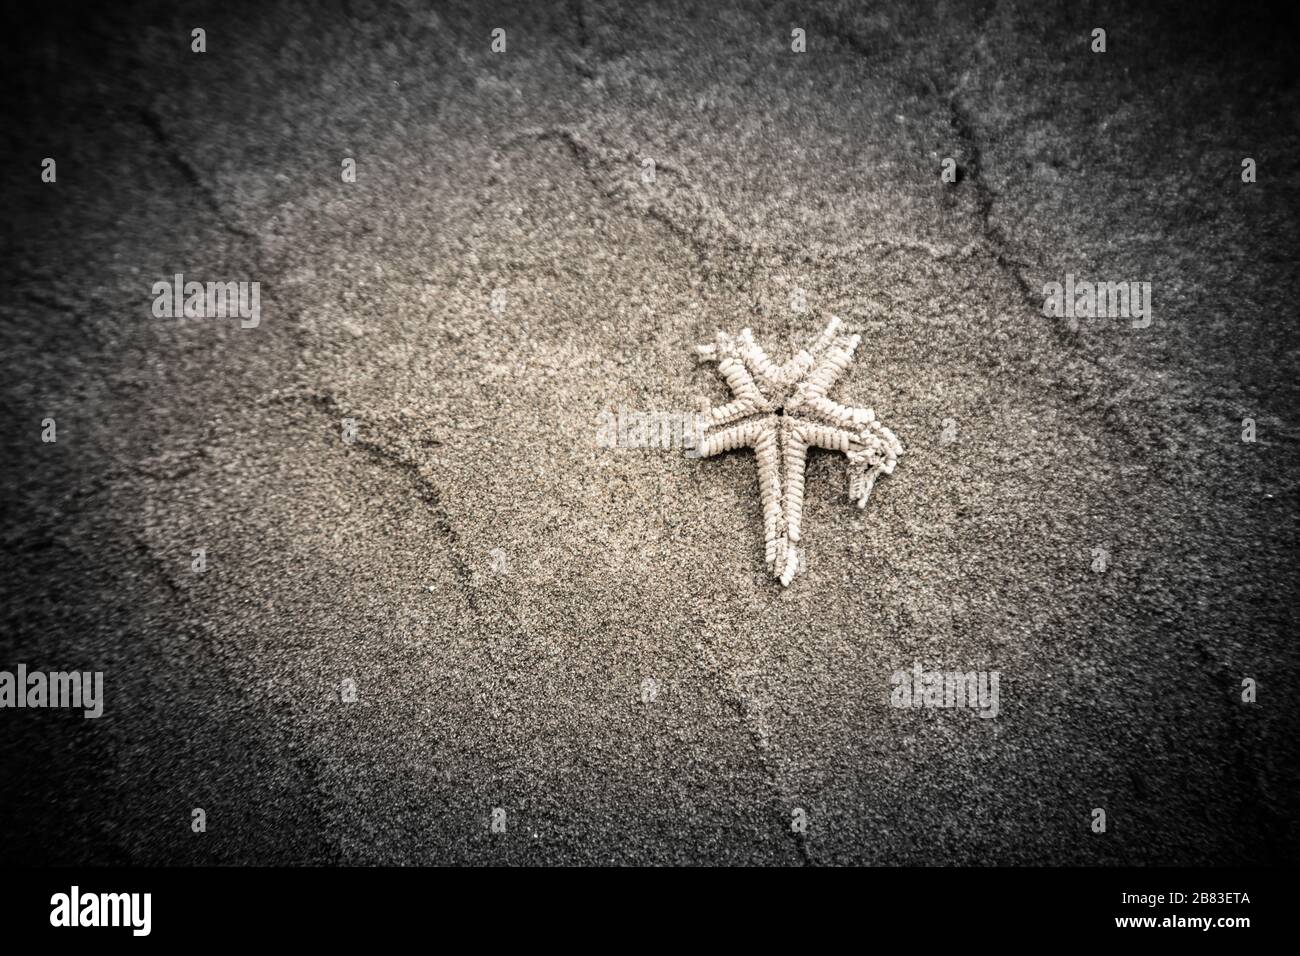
(786, 564)
(741, 435)
(756, 360)
(796, 459)
(781, 376)
(795, 369)
(715, 351)
(879, 456)
(831, 366)
(769, 488)
(775, 377)
(885, 444)
(741, 383)
(724, 415)
(756, 357)
(872, 451)
(833, 413)
(824, 340)
(778, 377)
(828, 436)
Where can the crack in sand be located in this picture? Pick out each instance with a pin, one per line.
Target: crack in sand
(734, 699)
(702, 224)
(426, 490)
(1109, 381)
(153, 122)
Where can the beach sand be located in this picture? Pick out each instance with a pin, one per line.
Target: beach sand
(498, 588)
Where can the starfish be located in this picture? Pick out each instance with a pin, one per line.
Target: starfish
(781, 411)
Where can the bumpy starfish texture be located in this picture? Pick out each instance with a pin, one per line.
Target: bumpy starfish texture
(781, 411)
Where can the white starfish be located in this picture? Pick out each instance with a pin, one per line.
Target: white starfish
(782, 410)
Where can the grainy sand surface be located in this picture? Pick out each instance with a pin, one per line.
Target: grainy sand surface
(498, 587)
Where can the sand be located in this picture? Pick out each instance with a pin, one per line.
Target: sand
(587, 638)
